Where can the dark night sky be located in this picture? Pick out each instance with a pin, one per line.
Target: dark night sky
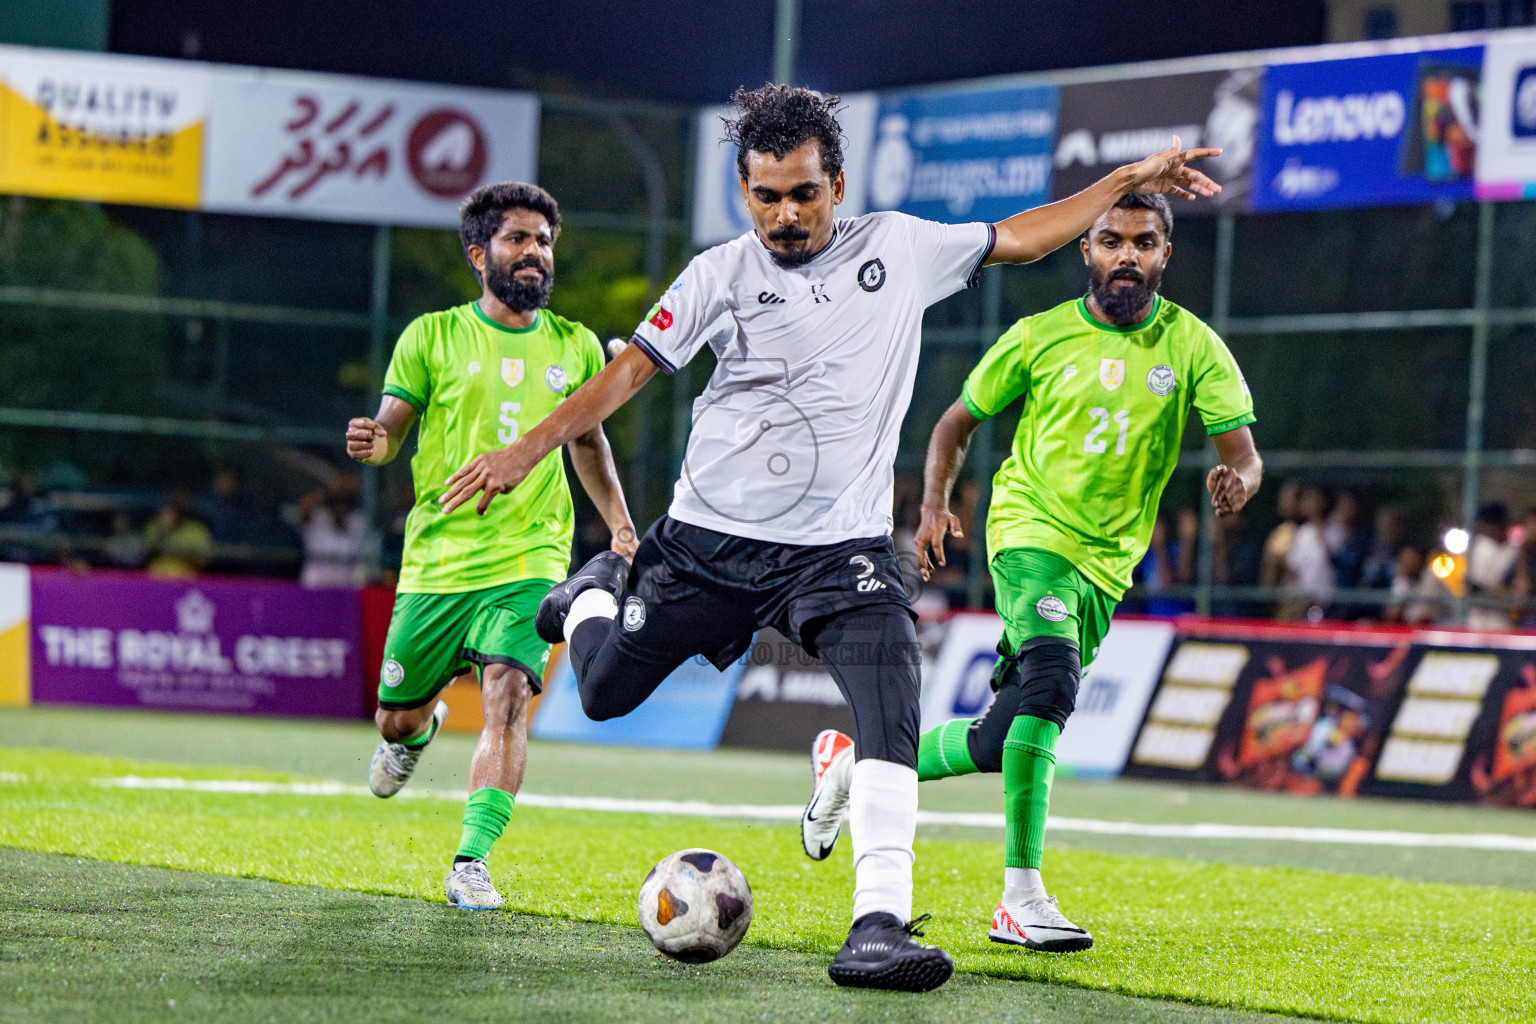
(692, 51)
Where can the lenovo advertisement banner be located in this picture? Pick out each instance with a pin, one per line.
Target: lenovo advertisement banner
(1371, 131)
(1102, 125)
(331, 147)
(263, 648)
(1506, 156)
(964, 155)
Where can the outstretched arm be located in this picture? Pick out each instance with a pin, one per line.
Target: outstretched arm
(593, 459)
(1238, 477)
(1026, 237)
(499, 471)
(374, 442)
(946, 455)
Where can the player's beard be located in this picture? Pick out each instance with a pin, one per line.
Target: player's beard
(1124, 305)
(789, 260)
(516, 294)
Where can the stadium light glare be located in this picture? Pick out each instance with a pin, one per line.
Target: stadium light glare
(1443, 566)
(1456, 540)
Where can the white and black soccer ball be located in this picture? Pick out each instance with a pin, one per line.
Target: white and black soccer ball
(695, 905)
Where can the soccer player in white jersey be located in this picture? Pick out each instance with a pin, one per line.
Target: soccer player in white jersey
(782, 516)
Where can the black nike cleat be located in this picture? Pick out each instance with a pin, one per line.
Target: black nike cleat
(608, 571)
(881, 952)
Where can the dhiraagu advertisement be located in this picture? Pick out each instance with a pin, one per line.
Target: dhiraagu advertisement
(101, 127)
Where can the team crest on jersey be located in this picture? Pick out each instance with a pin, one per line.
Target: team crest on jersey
(1112, 373)
(1160, 380)
(394, 673)
(512, 372)
(872, 275)
(634, 614)
(1052, 607)
(554, 377)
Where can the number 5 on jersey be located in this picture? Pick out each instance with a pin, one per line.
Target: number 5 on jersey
(1091, 442)
(508, 432)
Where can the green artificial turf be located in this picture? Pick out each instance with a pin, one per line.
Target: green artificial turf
(84, 940)
(1276, 939)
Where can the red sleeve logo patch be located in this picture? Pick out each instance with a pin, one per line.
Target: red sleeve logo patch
(661, 319)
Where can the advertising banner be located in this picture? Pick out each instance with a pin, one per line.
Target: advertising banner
(15, 652)
(101, 127)
(964, 155)
(1111, 699)
(262, 648)
(332, 147)
(1371, 131)
(1102, 125)
(686, 712)
(720, 212)
(784, 699)
(1506, 155)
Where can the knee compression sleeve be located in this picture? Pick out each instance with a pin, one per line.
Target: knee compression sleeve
(1040, 681)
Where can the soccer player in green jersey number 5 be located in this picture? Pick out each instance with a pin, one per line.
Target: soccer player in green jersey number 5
(1107, 383)
(477, 376)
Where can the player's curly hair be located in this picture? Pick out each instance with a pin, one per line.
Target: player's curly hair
(1157, 203)
(481, 213)
(779, 118)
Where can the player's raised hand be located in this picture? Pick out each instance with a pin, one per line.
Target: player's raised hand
(487, 475)
(1166, 172)
(367, 440)
(1228, 493)
(930, 534)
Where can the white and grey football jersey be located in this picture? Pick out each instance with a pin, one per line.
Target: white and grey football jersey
(794, 438)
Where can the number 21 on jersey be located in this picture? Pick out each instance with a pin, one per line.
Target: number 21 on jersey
(1093, 443)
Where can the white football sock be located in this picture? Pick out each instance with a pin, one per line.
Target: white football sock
(589, 604)
(1021, 885)
(882, 821)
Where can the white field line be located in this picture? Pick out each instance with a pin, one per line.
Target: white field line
(787, 812)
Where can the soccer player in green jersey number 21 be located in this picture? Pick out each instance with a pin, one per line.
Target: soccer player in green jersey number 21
(476, 376)
(1107, 383)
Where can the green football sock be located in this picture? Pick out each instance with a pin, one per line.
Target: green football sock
(424, 738)
(1029, 763)
(943, 752)
(486, 814)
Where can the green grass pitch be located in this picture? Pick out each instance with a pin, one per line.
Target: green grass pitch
(1243, 938)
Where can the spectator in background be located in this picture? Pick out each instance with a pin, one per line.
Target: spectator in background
(176, 546)
(1278, 545)
(1309, 563)
(24, 522)
(1419, 597)
(1380, 564)
(232, 517)
(1237, 558)
(339, 544)
(1349, 542)
(1169, 562)
(1525, 569)
(1490, 567)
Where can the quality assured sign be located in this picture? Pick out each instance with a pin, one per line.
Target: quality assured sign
(331, 147)
(100, 127)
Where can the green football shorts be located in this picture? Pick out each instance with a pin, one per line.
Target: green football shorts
(1041, 594)
(436, 637)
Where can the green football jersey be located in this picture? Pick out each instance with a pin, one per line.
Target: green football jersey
(477, 386)
(1104, 413)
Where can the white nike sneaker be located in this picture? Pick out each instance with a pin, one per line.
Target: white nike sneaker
(469, 887)
(1037, 924)
(832, 763)
(394, 763)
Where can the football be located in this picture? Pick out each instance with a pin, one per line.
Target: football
(695, 905)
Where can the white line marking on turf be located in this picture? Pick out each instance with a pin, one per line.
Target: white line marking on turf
(786, 812)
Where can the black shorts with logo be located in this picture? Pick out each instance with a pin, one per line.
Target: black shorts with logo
(694, 591)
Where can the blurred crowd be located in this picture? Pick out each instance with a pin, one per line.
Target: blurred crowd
(1318, 555)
